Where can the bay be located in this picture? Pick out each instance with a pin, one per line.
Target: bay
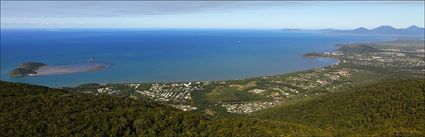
(165, 55)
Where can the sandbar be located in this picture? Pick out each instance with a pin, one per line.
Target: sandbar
(70, 68)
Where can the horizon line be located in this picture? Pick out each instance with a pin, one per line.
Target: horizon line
(203, 28)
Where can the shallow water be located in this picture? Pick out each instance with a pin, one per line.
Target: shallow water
(166, 55)
(71, 68)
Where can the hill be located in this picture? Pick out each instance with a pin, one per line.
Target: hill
(391, 108)
(381, 30)
(28, 110)
(353, 49)
(384, 30)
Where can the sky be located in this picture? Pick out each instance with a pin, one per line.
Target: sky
(210, 14)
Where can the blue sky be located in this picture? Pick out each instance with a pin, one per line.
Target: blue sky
(209, 14)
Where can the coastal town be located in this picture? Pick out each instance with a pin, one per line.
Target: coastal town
(359, 64)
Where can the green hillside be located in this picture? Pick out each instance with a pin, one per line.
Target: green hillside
(28, 110)
(392, 108)
(357, 49)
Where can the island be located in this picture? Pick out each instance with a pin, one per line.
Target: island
(36, 68)
(313, 54)
(27, 69)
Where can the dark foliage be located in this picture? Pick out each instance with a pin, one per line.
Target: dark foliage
(28, 110)
(391, 108)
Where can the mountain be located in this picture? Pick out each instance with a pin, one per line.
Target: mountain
(385, 29)
(415, 29)
(361, 30)
(381, 30)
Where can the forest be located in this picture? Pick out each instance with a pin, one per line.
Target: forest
(29, 110)
(390, 108)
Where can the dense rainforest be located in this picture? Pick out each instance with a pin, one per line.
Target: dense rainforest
(390, 108)
(28, 110)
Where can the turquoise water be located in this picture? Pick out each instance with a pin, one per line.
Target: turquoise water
(165, 55)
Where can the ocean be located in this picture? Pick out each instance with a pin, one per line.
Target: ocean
(165, 55)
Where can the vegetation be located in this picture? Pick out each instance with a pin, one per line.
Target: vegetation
(357, 49)
(29, 110)
(392, 108)
(26, 69)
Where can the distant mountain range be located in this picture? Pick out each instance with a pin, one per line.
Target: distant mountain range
(381, 30)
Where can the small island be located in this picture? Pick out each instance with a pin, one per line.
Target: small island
(27, 69)
(36, 68)
(313, 54)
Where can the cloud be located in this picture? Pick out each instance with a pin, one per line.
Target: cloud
(62, 9)
(124, 8)
(203, 13)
